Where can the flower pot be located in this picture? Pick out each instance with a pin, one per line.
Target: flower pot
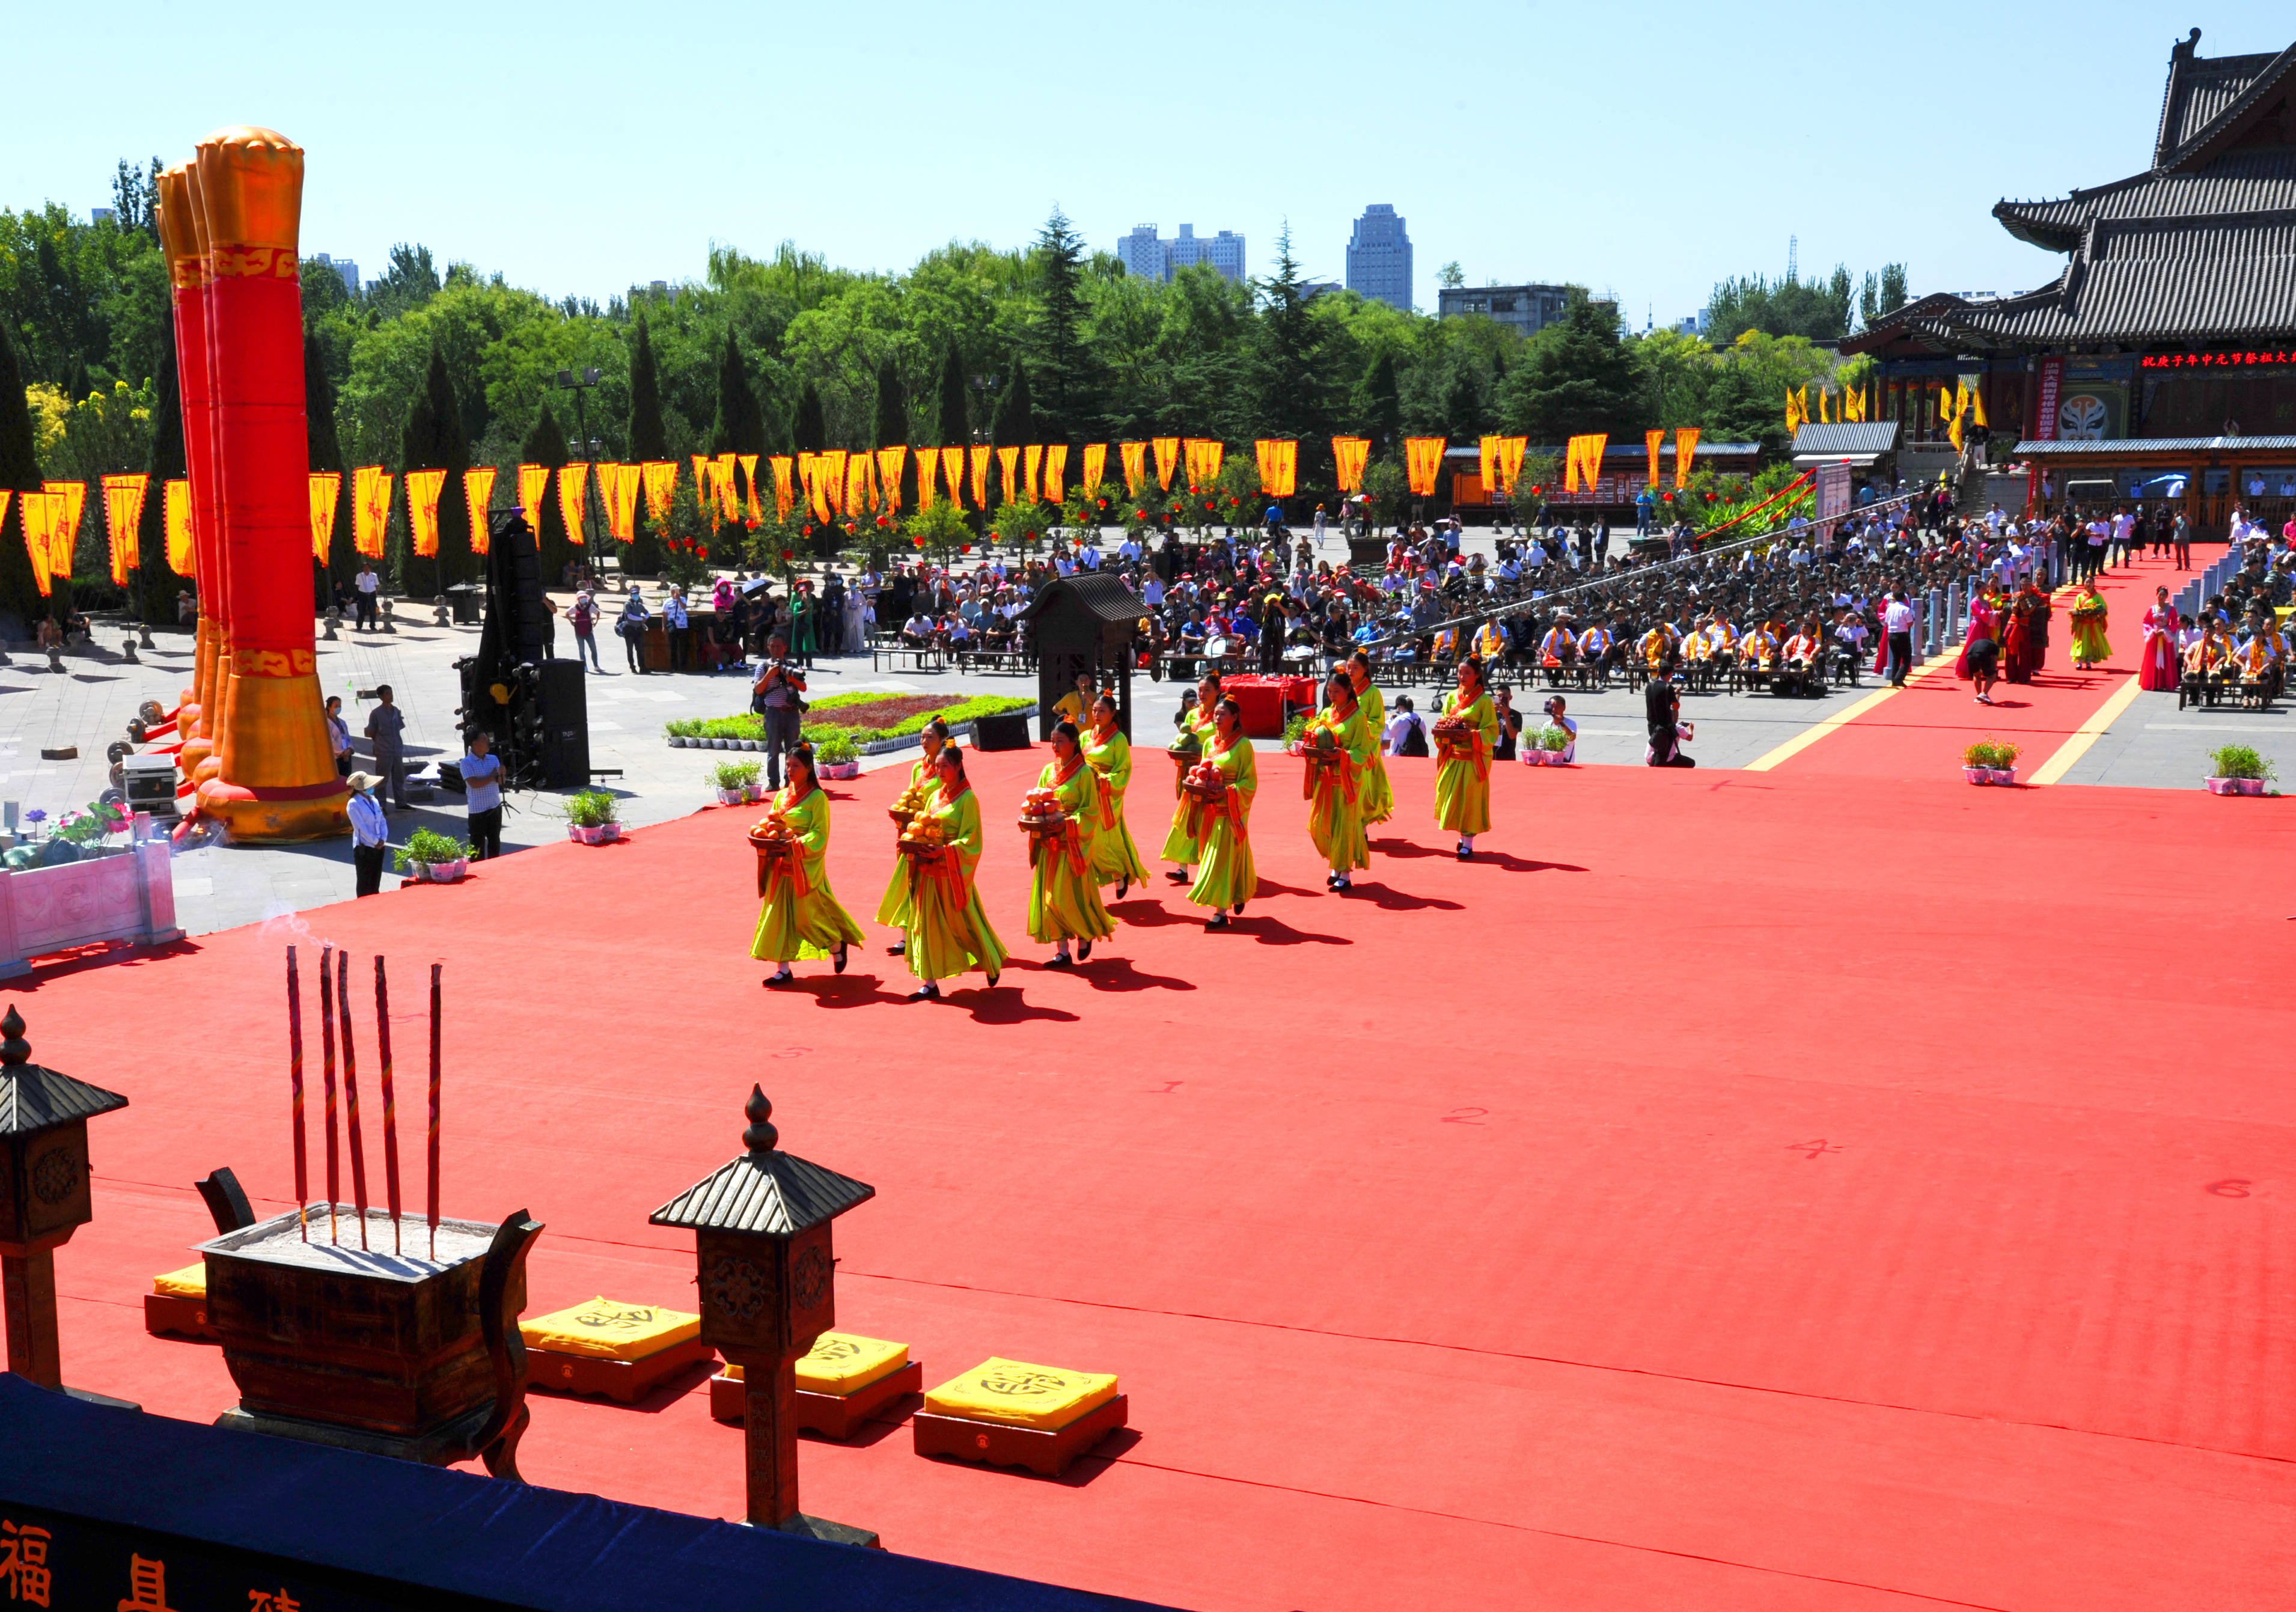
(2252, 786)
(608, 832)
(841, 769)
(2004, 774)
(574, 833)
(591, 833)
(1978, 774)
(752, 793)
(1533, 757)
(2223, 786)
(440, 872)
(734, 796)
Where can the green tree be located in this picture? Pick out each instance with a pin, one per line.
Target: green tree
(545, 445)
(1576, 376)
(1788, 308)
(738, 428)
(19, 472)
(892, 429)
(156, 582)
(1064, 356)
(326, 454)
(433, 440)
(1014, 424)
(1381, 411)
(1881, 295)
(955, 429)
(649, 440)
(808, 431)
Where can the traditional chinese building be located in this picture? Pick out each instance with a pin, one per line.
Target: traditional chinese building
(2163, 359)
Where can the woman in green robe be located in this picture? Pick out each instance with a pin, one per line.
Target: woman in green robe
(1378, 793)
(2088, 617)
(1463, 775)
(1115, 859)
(948, 932)
(799, 915)
(1063, 896)
(1334, 788)
(925, 777)
(1179, 844)
(1227, 878)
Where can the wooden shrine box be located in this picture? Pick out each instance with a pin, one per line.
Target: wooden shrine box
(393, 1353)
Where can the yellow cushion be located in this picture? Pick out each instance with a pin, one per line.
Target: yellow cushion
(189, 1282)
(842, 1363)
(609, 1330)
(1023, 1395)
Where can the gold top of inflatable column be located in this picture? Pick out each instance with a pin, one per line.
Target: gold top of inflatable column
(250, 184)
(183, 233)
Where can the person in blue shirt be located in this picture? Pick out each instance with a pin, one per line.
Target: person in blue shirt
(482, 774)
(369, 829)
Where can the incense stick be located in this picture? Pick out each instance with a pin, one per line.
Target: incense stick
(434, 969)
(350, 1095)
(389, 1103)
(295, 1086)
(327, 1053)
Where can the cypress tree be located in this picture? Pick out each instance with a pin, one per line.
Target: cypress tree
(892, 426)
(955, 430)
(451, 453)
(738, 428)
(326, 454)
(1014, 423)
(156, 582)
(1067, 386)
(402, 569)
(809, 429)
(20, 471)
(649, 440)
(545, 445)
(1382, 408)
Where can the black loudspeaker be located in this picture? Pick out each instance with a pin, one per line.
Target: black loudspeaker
(561, 709)
(1007, 732)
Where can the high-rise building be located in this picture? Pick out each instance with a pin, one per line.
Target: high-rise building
(1527, 309)
(1151, 258)
(1378, 257)
(343, 267)
(100, 214)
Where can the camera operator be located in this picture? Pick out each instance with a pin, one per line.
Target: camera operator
(778, 695)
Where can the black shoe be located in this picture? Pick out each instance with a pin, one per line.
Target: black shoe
(782, 977)
(925, 993)
(992, 981)
(1175, 876)
(1218, 920)
(1465, 855)
(1123, 887)
(840, 958)
(1239, 909)
(1062, 961)
(1084, 951)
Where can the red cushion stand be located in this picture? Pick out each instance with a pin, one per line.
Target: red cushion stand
(996, 1444)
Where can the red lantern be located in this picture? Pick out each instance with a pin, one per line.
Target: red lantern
(918, 540)
(702, 555)
(790, 554)
(964, 548)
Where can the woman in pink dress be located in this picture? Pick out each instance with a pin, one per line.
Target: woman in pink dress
(2157, 667)
(1981, 628)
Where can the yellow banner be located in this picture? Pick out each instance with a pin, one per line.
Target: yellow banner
(928, 471)
(1203, 455)
(952, 470)
(753, 513)
(859, 491)
(1279, 466)
(1488, 465)
(176, 519)
(1686, 448)
(123, 509)
(660, 478)
(326, 491)
(1423, 460)
(891, 461)
(705, 470)
(478, 496)
(533, 482)
(573, 480)
(75, 496)
(728, 489)
(1350, 455)
(1008, 463)
(1977, 405)
(1055, 483)
(617, 489)
(1032, 457)
(977, 459)
(1167, 458)
(1582, 463)
(1133, 456)
(422, 490)
(1651, 441)
(1510, 464)
(371, 486)
(1095, 466)
(784, 488)
(43, 515)
(829, 484)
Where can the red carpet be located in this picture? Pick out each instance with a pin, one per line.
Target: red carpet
(1731, 1192)
(1921, 731)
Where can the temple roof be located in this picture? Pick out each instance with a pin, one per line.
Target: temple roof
(2200, 247)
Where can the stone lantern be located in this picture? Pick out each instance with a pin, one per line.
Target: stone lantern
(44, 1197)
(760, 1229)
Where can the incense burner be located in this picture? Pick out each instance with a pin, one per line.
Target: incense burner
(400, 1354)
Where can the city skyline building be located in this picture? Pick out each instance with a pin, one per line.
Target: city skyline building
(1526, 309)
(1378, 257)
(344, 267)
(1149, 256)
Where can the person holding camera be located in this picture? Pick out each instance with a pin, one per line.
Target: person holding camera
(1662, 712)
(778, 695)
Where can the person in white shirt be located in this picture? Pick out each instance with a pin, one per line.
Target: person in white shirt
(1897, 622)
(370, 588)
(1407, 734)
(1319, 526)
(482, 774)
(339, 735)
(369, 831)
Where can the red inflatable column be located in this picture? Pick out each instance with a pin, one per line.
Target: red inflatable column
(183, 239)
(277, 779)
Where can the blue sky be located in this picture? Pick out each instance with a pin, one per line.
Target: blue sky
(1651, 149)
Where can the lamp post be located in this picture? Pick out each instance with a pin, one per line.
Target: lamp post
(580, 384)
(761, 1241)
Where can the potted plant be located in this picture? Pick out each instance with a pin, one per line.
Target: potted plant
(836, 757)
(1990, 761)
(736, 781)
(428, 858)
(1295, 731)
(1549, 747)
(2240, 770)
(590, 817)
